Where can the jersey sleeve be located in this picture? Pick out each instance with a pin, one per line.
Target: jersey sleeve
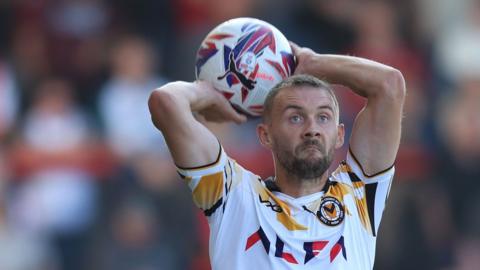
(370, 191)
(210, 184)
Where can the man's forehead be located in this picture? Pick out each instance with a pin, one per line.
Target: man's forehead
(304, 96)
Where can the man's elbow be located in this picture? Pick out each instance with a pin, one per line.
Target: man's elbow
(393, 86)
(158, 98)
(160, 103)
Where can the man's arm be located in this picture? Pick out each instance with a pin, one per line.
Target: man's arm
(190, 142)
(376, 131)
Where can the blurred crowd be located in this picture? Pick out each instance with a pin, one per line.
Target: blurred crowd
(86, 182)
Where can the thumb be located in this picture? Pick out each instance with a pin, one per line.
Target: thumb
(226, 111)
(294, 46)
(235, 115)
(241, 118)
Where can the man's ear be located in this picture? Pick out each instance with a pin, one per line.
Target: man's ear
(264, 136)
(340, 136)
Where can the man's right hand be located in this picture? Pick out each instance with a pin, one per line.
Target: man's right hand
(220, 109)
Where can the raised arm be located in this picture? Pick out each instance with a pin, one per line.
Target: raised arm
(376, 131)
(190, 142)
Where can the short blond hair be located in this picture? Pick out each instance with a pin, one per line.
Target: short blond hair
(298, 80)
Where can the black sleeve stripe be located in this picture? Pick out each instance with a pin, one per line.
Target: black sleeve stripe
(211, 210)
(370, 192)
(354, 177)
(363, 171)
(204, 166)
(226, 179)
(229, 180)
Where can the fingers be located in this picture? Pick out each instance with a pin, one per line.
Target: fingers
(222, 110)
(302, 58)
(226, 108)
(204, 85)
(232, 114)
(220, 116)
(294, 47)
(296, 50)
(241, 118)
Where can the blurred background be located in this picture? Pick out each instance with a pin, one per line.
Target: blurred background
(86, 182)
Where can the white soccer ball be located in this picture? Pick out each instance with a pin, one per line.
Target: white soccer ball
(244, 58)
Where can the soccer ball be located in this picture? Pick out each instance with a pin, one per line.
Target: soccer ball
(244, 58)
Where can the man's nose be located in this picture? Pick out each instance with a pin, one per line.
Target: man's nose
(312, 130)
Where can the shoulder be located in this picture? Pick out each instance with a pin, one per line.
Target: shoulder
(216, 166)
(224, 167)
(350, 171)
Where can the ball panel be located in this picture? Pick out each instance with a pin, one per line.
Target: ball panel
(244, 58)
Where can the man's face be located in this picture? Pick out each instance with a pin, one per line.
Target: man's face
(303, 131)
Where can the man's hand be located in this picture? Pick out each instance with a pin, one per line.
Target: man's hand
(302, 57)
(172, 108)
(219, 110)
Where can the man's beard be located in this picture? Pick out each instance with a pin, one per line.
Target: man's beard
(305, 168)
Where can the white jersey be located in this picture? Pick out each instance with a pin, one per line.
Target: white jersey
(255, 226)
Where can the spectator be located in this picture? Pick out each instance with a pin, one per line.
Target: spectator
(77, 32)
(145, 170)
(125, 116)
(134, 239)
(459, 129)
(123, 97)
(55, 159)
(20, 250)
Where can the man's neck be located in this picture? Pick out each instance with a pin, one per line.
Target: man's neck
(296, 187)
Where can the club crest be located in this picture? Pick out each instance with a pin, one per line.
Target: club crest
(331, 211)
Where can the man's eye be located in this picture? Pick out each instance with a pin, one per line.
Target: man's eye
(295, 119)
(323, 118)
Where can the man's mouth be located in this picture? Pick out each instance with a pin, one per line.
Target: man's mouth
(311, 146)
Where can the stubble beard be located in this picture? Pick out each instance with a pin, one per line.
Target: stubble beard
(304, 169)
